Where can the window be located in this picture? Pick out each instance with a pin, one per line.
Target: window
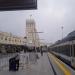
(5, 38)
(12, 40)
(1, 38)
(74, 50)
(15, 40)
(20, 41)
(9, 39)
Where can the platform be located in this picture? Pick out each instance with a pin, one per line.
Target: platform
(43, 65)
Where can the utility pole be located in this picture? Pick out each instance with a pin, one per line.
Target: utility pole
(62, 31)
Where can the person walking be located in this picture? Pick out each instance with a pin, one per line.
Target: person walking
(12, 64)
(17, 58)
(41, 52)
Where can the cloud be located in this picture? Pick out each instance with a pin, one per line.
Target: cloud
(49, 17)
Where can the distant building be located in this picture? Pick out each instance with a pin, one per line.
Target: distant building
(8, 38)
(31, 33)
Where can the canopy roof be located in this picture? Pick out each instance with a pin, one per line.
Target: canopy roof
(17, 4)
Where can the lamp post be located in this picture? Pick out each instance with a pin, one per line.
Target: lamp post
(62, 31)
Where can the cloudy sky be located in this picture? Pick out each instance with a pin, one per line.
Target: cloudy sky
(49, 17)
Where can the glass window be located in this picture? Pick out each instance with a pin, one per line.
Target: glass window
(9, 39)
(74, 50)
(70, 50)
(1, 38)
(20, 41)
(15, 40)
(5, 38)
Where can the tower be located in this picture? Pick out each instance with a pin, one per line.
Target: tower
(31, 33)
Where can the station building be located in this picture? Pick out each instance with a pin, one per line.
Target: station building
(8, 39)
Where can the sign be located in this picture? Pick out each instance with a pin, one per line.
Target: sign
(17, 4)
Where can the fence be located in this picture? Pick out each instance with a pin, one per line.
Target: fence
(4, 61)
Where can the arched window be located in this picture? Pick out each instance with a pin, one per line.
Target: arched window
(1, 38)
(9, 39)
(5, 38)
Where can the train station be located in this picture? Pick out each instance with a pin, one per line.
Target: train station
(37, 37)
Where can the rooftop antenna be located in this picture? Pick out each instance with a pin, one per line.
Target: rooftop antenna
(62, 31)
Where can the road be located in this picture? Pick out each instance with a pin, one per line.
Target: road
(44, 65)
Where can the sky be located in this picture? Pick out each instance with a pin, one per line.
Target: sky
(50, 16)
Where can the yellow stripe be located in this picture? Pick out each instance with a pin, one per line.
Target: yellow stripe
(60, 64)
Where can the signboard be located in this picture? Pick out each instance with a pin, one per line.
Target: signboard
(18, 4)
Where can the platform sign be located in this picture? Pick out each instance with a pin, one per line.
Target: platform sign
(18, 4)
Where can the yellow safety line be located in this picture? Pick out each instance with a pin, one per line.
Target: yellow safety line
(60, 64)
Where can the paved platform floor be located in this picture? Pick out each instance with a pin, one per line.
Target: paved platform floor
(60, 68)
(43, 65)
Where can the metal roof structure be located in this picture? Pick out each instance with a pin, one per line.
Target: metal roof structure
(18, 5)
(69, 37)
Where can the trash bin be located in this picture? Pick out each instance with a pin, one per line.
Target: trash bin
(12, 64)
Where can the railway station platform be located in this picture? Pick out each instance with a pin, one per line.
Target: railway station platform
(47, 64)
(59, 67)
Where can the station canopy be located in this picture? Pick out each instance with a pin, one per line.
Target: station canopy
(18, 5)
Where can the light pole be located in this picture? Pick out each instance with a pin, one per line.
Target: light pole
(62, 31)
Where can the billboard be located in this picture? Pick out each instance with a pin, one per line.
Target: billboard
(18, 4)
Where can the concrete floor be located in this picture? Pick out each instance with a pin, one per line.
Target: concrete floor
(44, 65)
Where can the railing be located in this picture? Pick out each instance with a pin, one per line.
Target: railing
(25, 58)
(4, 61)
